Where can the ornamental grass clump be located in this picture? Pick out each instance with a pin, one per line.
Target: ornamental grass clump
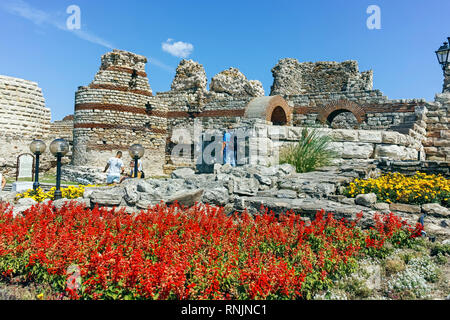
(395, 187)
(311, 152)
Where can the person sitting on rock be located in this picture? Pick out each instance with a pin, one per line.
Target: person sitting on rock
(3, 181)
(130, 174)
(115, 168)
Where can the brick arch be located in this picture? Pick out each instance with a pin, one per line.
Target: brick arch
(330, 111)
(272, 108)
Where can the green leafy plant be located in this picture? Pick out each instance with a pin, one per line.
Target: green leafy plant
(312, 151)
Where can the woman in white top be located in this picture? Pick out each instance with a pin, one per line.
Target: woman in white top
(3, 181)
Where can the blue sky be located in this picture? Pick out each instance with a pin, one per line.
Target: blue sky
(251, 35)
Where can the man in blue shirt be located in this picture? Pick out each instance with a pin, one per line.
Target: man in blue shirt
(228, 148)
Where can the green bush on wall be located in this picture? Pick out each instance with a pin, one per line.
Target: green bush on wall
(312, 151)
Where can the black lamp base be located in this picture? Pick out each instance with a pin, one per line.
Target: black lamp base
(58, 195)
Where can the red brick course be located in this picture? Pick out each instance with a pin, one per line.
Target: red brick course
(120, 88)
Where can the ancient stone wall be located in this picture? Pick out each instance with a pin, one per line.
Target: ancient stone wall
(117, 110)
(23, 118)
(63, 128)
(347, 144)
(411, 167)
(436, 117)
(233, 82)
(364, 110)
(294, 78)
(22, 107)
(260, 143)
(13, 145)
(190, 77)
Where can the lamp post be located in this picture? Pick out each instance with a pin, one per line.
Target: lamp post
(136, 152)
(59, 149)
(37, 147)
(443, 57)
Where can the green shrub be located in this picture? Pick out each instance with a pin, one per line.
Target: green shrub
(312, 151)
(438, 248)
(394, 265)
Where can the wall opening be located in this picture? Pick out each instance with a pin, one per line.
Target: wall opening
(342, 119)
(278, 117)
(269, 108)
(329, 112)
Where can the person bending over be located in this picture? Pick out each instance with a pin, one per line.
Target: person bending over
(115, 168)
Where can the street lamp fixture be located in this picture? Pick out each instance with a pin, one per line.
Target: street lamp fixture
(443, 56)
(136, 152)
(59, 149)
(37, 147)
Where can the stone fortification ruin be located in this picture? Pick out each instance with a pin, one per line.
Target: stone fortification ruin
(23, 108)
(118, 109)
(23, 118)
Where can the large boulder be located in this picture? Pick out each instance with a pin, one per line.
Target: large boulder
(186, 199)
(435, 209)
(182, 173)
(144, 186)
(23, 205)
(233, 82)
(366, 200)
(401, 207)
(305, 207)
(245, 186)
(315, 184)
(190, 76)
(285, 169)
(131, 194)
(108, 196)
(217, 196)
(6, 196)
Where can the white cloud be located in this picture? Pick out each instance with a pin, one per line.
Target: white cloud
(178, 49)
(21, 8)
(39, 17)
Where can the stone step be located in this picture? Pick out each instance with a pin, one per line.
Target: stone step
(45, 186)
(403, 127)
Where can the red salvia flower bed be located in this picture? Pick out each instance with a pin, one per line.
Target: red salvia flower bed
(176, 253)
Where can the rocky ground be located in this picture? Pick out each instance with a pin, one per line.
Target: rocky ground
(402, 275)
(278, 188)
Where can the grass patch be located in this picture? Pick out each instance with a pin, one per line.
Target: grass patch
(311, 152)
(47, 179)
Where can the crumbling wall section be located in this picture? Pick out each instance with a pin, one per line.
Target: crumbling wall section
(436, 117)
(23, 118)
(294, 78)
(22, 107)
(117, 110)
